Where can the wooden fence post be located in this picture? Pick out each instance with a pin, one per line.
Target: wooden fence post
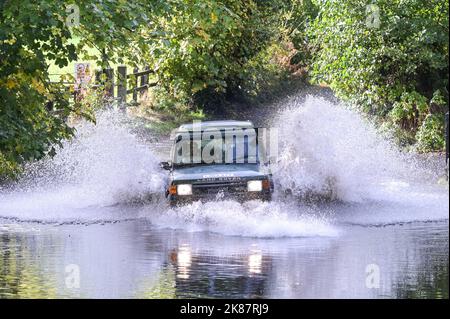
(135, 83)
(144, 81)
(98, 77)
(122, 85)
(105, 79)
(109, 86)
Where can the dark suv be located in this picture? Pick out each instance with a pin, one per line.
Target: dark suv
(216, 160)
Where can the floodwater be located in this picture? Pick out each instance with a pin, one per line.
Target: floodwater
(83, 225)
(133, 259)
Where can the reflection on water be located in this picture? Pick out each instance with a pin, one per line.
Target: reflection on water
(20, 274)
(373, 243)
(134, 260)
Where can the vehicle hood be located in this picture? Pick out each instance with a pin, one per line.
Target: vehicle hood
(213, 173)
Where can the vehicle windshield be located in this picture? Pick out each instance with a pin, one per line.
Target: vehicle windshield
(216, 147)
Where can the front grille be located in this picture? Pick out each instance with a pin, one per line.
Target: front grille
(217, 187)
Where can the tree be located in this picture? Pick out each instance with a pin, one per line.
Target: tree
(389, 57)
(30, 35)
(34, 34)
(202, 46)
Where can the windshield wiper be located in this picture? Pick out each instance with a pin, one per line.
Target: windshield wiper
(244, 160)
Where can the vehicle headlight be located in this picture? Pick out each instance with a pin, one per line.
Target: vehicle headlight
(184, 189)
(254, 186)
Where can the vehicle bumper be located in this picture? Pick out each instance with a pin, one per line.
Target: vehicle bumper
(176, 200)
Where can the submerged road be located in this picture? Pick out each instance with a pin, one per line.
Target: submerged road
(76, 225)
(133, 259)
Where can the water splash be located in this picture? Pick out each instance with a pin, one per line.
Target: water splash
(251, 219)
(102, 166)
(327, 148)
(327, 151)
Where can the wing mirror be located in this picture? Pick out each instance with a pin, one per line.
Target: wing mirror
(165, 165)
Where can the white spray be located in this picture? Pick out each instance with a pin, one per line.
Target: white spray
(323, 147)
(103, 165)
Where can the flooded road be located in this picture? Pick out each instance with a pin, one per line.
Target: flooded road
(133, 259)
(91, 222)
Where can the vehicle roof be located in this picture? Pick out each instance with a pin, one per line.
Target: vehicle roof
(217, 125)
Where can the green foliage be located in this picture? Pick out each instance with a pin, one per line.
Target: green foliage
(409, 110)
(198, 49)
(206, 45)
(431, 134)
(294, 23)
(118, 29)
(389, 57)
(31, 34)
